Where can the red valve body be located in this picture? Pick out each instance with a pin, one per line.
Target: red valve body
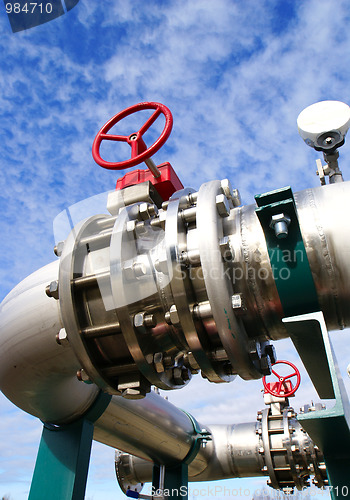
(166, 184)
(273, 387)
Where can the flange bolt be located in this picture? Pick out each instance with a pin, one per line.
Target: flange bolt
(280, 223)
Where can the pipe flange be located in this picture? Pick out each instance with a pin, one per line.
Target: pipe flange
(217, 281)
(71, 268)
(175, 235)
(124, 471)
(133, 284)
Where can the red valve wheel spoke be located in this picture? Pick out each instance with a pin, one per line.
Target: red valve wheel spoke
(282, 390)
(134, 149)
(139, 151)
(150, 121)
(110, 137)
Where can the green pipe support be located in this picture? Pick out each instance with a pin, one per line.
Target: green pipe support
(330, 428)
(63, 458)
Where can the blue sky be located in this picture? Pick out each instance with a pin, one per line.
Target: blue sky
(235, 75)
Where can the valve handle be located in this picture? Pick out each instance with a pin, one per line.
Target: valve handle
(139, 150)
(280, 389)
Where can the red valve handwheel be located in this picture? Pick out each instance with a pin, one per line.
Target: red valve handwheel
(139, 150)
(282, 390)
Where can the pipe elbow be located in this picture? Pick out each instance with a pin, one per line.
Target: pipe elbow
(37, 374)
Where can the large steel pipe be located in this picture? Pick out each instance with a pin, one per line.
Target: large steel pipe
(144, 301)
(322, 214)
(152, 427)
(151, 297)
(39, 375)
(275, 445)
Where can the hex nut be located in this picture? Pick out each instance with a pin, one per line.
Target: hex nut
(226, 188)
(143, 320)
(158, 362)
(226, 249)
(62, 338)
(130, 225)
(173, 315)
(58, 249)
(52, 290)
(146, 211)
(139, 320)
(134, 270)
(177, 375)
(265, 365)
(279, 218)
(254, 349)
(83, 376)
(134, 393)
(133, 386)
(270, 351)
(222, 205)
(236, 198)
(161, 265)
(279, 223)
(186, 374)
(237, 301)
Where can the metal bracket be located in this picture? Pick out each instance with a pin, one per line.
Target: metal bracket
(294, 282)
(200, 436)
(171, 481)
(330, 428)
(290, 266)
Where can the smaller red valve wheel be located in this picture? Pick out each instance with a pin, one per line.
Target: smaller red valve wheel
(139, 150)
(281, 389)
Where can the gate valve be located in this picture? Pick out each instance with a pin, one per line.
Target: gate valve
(284, 387)
(163, 178)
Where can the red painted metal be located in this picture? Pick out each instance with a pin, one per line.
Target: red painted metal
(284, 387)
(166, 184)
(139, 150)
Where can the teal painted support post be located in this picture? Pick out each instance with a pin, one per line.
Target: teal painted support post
(172, 479)
(329, 428)
(174, 484)
(62, 462)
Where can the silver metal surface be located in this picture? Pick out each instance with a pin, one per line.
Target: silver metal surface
(218, 283)
(184, 298)
(152, 296)
(37, 374)
(131, 312)
(151, 427)
(322, 216)
(275, 446)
